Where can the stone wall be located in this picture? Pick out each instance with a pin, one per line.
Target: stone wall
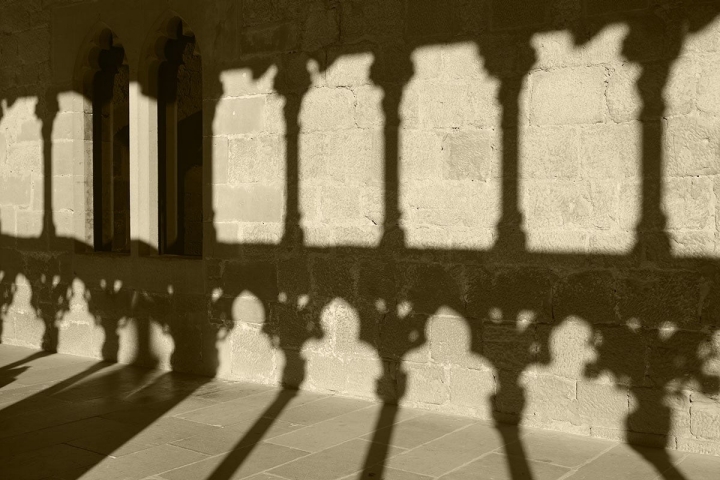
(503, 209)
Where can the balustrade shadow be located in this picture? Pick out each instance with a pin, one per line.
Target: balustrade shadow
(397, 289)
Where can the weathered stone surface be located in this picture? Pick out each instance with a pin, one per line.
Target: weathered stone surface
(659, 299)
(568, 96)
(705, 421)
(406, 136)
(241, 115)
(602, 405)
(589, 295)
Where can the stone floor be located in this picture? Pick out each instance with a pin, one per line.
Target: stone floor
(69, 418)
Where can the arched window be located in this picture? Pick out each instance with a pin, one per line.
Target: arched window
(180, 139)
(109, 93)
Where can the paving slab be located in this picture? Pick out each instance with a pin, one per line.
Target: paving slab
(623, 462)
(63, 418)
(495, 466)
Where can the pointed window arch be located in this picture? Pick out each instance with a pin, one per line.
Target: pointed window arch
(180, 142)
(107, 91)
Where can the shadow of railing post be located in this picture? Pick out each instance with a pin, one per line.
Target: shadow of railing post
(47, 308)
(293, 90)
(293, 372)
(392, 72)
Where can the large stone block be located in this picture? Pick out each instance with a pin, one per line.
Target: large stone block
(549, 152)
(454, 341)
(426, 384)
(692, 146)
(602, 405)
(248, 203)
(256, 78)
(269, 38)
(237, 116)
(356, 328)
(661, 299)
(708, 100)
(611, 151)
(334, 277)
(703, 447)
(655, 410)
(328, 109)
(457, 103)
(255, 159)
(295, 326)
(63, 198)
(621, 355)
(348, 67)
(322, 28)
(569, 347)
(25, 157)
(688, 203)
(369, 106)
(680, 359)
(64, 125)
(470, 155)
(570, 204)
(589, 295)
(362, 376)
(404, 338)
(254, 358)
(63, 157)
(15, 190)
(513, 295)
(340, 204)
(35, 44)
(350, 157)
(326, 373)
(472, 389)
(551, 399)
(29, 223)
(220, 160)
(509, 348)
(705, 420)
(568, 96)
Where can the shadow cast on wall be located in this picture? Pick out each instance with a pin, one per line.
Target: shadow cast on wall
(625, 300)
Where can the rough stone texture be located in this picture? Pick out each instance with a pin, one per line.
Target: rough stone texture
(363, 164)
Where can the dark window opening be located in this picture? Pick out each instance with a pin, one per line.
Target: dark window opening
(180, 147)
(111, 148)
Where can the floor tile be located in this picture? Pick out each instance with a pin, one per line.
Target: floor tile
(143, 464)
(234, 411)
(698, 467)
(627, 463)
(132, 438)
(264, 476)
(65, 418)
(334, 462)
(449, 452)
(47, 462)
(224, 392)
(495, 466)
(373, 473)
(142, 414)
(237, 464)
(321, 409)
(565, 450)
(341, 429)
(417, 431)
(47, 437)
(242, 434)
(20, 392)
